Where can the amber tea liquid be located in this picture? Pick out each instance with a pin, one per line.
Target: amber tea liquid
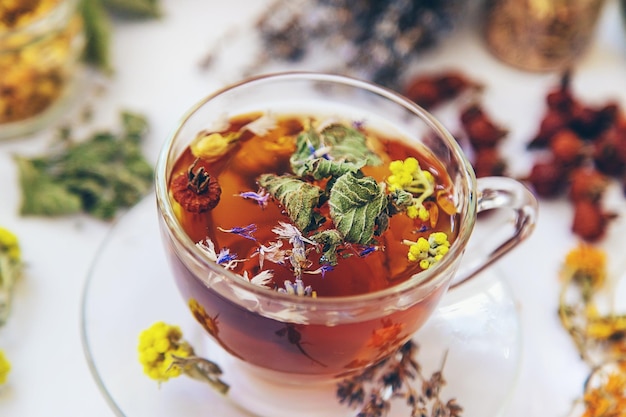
(310, 349)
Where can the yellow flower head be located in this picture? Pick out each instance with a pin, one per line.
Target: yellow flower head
(428, 251)
(607, 396)
(159, 346)
(408, 176)
(9, 245)
(209, 146)
(586, 263)
(5, 368)
(418, 212)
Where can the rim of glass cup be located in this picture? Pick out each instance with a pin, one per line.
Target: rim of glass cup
(321, 303)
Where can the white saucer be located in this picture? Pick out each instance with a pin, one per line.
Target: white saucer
(129, 288)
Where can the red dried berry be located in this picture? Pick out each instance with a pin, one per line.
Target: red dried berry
(481, 131)
(567, 147)
(489, 162)
(451, 84)
(587, 184)
(590, 122)
(547, 178)
(196, 191)
(431, 90)
(609, 152)
(560, 100)
(589, 220)
(553, 121)
(424, 92)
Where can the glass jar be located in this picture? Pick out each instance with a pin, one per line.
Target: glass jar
(540, 35)
(41, 42)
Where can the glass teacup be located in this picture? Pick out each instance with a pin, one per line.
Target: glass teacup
(300, 340)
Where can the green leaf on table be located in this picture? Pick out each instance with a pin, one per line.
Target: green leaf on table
(98, 25)
(134, 8)
(355, 205)
(99, 175)
(97, 33)
(41, 194)
(299, 198)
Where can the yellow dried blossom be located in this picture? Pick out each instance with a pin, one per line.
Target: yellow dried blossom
(9, 244)
(164, 355)
(415, 212)
(36, 67)
(5, 368)
(159, 347)
(607, 396)
(586, 264)
(428, 251)
(209, 146)
(10, 270)
(408, 176)
(606, 328)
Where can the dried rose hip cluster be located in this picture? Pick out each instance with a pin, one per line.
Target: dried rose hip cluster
(430, 90)
(482, 133)
(484, 136)
(585, 146)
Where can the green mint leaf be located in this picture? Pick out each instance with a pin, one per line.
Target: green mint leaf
(98, 175)
(323, 168)
(42, 195)
(330, 240)
(297, 197)
(346, 150)
(305, 143)
(349, 144)
(355, 205)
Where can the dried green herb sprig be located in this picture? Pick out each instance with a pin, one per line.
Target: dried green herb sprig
(376, 388)
(98, 175)
(134, 8)
(98, 27)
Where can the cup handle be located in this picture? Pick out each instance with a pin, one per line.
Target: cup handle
(500, 193)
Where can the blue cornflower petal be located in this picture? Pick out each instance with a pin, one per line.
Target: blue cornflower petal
(245, 231)
(225, 256)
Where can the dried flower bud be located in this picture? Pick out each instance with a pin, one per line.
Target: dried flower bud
(196, 191)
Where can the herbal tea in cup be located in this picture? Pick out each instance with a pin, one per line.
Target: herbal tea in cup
(313, 221)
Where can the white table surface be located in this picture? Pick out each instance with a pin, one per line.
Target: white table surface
(157, 73)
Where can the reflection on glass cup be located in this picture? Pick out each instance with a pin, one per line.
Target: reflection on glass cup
(297, 339)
